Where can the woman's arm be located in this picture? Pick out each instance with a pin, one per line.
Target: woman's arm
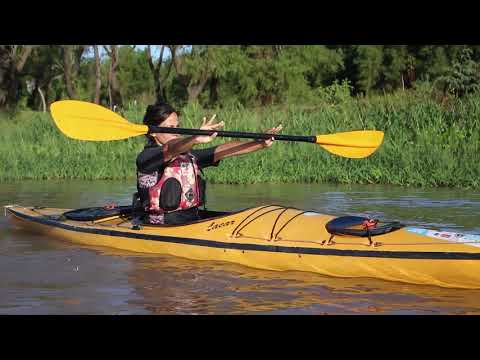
(235, 148)
(182, 145)
(178, 146)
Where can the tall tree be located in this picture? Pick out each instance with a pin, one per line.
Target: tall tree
(12, 61)
(230, 79)
(160, 87)
(98, 75)
(432, 61)
(72, 55)
(134, 75)
(464, 76)
(321, 64)
(114, 93)
(273, 73)
(42, 70)
(68, 71)
(395, 62)
(193, 67)
(263, 62)
(368, 60)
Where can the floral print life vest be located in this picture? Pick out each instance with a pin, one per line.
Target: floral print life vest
(183, 169)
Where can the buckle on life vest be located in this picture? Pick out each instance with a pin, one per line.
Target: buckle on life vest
(190, 195)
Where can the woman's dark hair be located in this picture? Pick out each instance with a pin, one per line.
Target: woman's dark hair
(157, 113)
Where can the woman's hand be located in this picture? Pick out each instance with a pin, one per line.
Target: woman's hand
(210, 125)
(269, 142)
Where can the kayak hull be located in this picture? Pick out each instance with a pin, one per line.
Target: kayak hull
(276, 238)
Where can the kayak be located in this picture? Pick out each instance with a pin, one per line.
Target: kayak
(274, 237)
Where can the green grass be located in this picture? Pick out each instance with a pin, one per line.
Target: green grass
(426, 144)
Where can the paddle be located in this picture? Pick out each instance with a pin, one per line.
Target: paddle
(86, 121)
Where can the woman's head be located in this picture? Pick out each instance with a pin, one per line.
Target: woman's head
(161, 114)
(158, 113)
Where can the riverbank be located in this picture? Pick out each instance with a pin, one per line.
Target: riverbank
(426, 144)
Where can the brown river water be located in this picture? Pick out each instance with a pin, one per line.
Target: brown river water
(41, 275)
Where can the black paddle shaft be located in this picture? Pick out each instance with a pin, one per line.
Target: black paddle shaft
(232, 134)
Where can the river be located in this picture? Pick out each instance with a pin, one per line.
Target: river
(41, 275)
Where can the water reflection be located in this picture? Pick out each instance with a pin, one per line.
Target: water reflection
(172, 285)
(41, 275)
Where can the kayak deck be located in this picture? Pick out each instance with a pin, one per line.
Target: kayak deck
(274, 237)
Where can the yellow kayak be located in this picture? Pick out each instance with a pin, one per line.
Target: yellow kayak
(274, 237)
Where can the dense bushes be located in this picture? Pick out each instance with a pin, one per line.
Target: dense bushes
(427, 143)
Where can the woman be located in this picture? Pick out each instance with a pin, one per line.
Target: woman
(169, 185)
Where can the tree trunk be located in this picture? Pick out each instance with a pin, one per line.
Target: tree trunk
(78, 53)
(10, 84)
(68, 70)
(193, 93)
(160, 88)
(27, 50)
(155, 69)
(48, 88)
(44, 105)
(214, 84)
(32, 86)
(113, 84)
(110, 100)
(4, 69)
(46, 67)
(164, 86)
(10, 67)
(98, 76)
(194, 90)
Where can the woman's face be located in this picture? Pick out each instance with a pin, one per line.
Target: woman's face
(172, 122)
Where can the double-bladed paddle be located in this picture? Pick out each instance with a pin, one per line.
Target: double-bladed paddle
(87, 121)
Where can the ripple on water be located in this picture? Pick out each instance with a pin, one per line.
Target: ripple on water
(41, 275)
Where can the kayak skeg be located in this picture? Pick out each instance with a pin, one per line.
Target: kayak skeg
(275, 237)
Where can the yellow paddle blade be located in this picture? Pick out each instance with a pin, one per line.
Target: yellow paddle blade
(86, 121)
(353, 144)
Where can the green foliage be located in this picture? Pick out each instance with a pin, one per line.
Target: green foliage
(368, 61)
(33, 148)
(265, 75)
(258, 75)
(464, 76)
(337, 93)
(134, 74)
(434, 61)
(426, 143)
(396, 60)
(310, 89)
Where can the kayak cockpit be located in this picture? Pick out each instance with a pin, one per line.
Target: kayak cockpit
(101, 214)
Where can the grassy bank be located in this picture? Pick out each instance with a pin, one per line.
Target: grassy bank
(426, 144)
